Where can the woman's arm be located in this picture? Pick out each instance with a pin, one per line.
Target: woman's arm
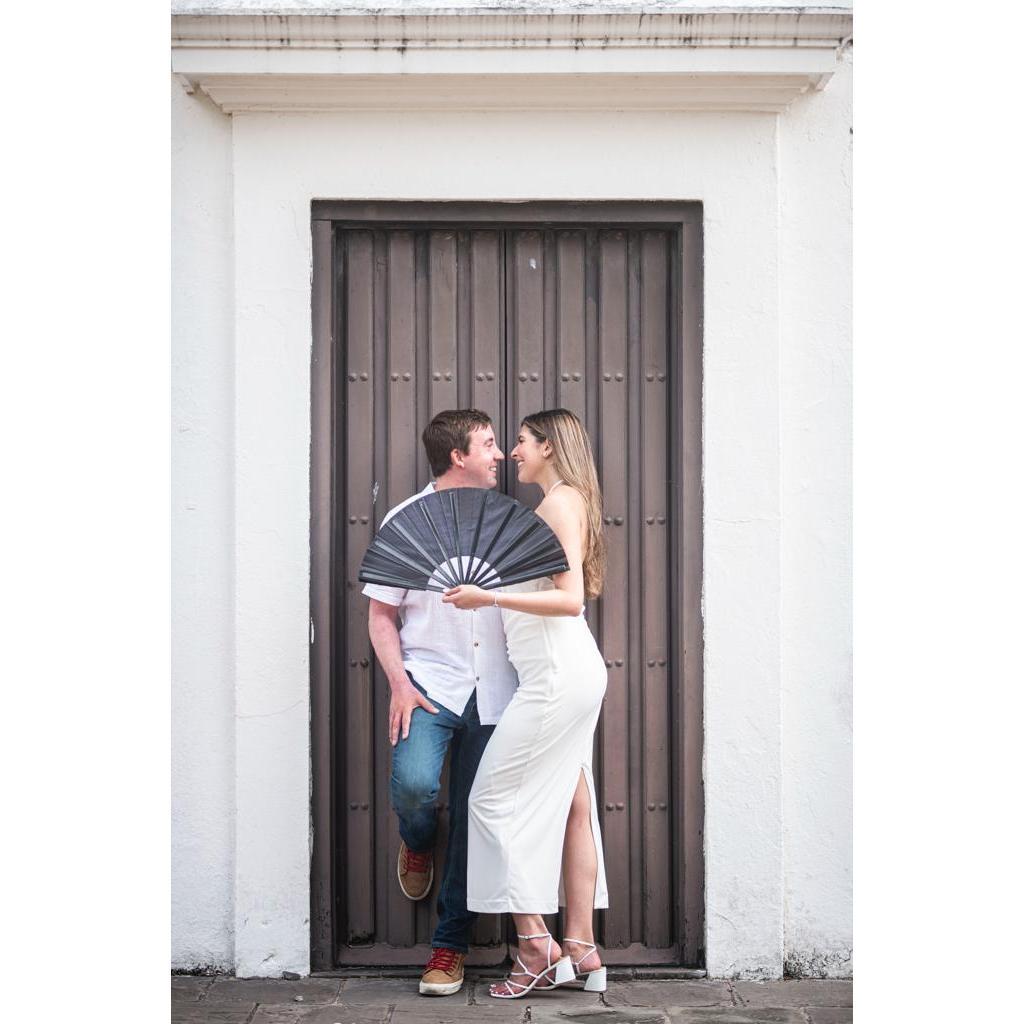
(563, 511)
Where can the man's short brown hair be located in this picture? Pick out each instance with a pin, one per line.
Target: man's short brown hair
(447, 431)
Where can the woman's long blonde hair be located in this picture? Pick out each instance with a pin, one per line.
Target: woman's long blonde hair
(573, 460)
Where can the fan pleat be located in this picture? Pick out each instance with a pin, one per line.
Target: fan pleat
(486, 556)
(473, 564)
(431, 564)
(514, 534)
(533, 573)
(524, 557)
(445, 556)
(461, 573)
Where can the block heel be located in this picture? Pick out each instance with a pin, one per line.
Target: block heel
(595, 980)
(564, 971)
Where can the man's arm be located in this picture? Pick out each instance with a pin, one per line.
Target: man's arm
(405, 698)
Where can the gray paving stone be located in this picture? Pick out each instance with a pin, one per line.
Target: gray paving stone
(830, 1014)
(486, 1008)
(552, 1006)
(200, 1013)
(273, 990)
(794, 993)
(321, 1015)
(185, 988)
(596, 1014)
(735, 1015)
(438, 1012)
(668, 993)
(394, 992)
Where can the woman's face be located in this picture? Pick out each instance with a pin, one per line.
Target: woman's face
(528, 455)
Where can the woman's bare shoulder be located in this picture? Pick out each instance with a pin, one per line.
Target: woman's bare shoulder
(564, 509)
(565, 504)
(565, 497)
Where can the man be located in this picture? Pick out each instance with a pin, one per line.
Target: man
(450, 680)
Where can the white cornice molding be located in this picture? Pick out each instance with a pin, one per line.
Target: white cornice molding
(809, 27)
(700, 60)
(306, 93)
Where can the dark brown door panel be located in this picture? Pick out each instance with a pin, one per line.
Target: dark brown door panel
(513, 308)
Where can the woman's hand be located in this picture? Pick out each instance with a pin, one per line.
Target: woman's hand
(468, 597)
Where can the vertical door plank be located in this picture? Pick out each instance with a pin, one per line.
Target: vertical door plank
(485, 341)
(398, 360)
(463, 319)
(526, 341)
(592, 390)
(613, 466)
(549, 269)
(592, 406)
(486, 365)
(358, 469)
(323, 562)
(424, 377)
(571, 325)
(381, 474)
(653, 411)
(688, 529)
(634, 587)
(401, 369)
(442, 363)
(443, 315)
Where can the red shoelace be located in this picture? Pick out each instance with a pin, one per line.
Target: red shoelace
(418, 862)
(442, 959)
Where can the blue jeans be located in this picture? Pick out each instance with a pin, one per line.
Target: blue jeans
(415, 782)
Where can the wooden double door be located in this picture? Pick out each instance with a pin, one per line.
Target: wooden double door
(594, 308)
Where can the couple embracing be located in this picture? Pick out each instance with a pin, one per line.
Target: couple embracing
(512, 683)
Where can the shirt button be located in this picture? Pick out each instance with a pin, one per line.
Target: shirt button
(478, 679)
(476, 643)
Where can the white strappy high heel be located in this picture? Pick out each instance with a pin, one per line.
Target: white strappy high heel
(562, 968)
(597, 979)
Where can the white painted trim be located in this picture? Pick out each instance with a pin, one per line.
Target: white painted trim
(514, 61)
(309, 93)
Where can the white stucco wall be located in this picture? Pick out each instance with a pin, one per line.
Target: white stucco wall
(280, 164)
(202, 523)
(815, 146)
(776, 465)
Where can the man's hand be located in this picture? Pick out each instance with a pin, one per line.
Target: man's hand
(404, 700)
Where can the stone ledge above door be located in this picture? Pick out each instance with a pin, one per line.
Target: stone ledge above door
(667, 60)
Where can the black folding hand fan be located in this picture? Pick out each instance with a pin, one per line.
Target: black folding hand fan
(462, 535)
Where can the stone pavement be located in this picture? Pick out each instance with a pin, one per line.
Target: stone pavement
(389, 1000)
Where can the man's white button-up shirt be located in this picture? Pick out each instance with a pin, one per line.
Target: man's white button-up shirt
(450, 652)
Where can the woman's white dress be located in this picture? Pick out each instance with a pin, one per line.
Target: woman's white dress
(519, 803)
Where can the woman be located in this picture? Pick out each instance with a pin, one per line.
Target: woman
(533, 828)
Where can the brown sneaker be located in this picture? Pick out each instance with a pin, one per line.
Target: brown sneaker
(415, 873)
(443, 974)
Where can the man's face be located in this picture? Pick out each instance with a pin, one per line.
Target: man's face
(480, 466)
